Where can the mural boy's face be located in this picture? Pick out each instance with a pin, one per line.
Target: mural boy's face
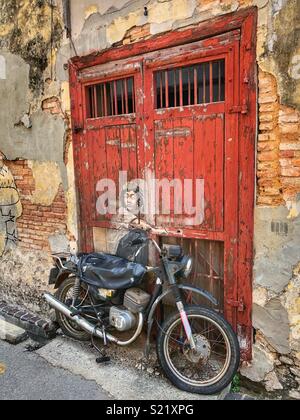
(131, 200)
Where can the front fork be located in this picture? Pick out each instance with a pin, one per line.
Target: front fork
(184, 319)
(179, 303)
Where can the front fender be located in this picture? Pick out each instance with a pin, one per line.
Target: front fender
(193, 289)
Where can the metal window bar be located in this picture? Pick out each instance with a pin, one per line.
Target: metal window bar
(190, 85)
(110, 98)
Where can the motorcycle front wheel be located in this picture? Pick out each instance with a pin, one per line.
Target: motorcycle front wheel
(209, 368)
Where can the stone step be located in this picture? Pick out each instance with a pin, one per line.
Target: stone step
(11, 333)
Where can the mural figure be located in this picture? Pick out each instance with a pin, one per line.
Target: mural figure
(130, 209)
(10, 208)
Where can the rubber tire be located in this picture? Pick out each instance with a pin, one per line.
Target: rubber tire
(235, 349)
(62, 320)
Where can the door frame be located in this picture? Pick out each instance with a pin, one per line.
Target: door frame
(245, 21)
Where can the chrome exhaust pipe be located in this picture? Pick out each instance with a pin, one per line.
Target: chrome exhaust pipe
(87, 326)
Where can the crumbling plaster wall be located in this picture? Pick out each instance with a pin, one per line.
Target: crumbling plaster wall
(35, 127)
(35, 147)
(35, 116)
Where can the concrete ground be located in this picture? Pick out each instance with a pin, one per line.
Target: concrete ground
(27, 376)
(121, 381)
(65, 369)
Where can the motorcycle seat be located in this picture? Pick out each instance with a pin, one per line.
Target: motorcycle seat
(110, 272)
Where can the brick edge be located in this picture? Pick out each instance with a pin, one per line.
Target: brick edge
(29, 321)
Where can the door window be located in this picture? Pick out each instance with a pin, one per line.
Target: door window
(190, 85)
(111, 98)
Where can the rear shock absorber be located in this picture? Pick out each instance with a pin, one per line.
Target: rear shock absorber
(76, 291)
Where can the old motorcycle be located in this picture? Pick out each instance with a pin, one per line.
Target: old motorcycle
(101, 295)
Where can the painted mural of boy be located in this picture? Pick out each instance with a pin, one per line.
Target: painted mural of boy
(130, 213)
(10, 208)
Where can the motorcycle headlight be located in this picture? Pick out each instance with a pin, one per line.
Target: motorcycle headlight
(188, 267)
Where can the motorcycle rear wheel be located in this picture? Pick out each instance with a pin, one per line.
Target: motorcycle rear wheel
(212, 367)
(68, 327)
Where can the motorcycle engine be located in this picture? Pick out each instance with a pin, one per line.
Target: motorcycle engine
(121, 319)
(124, 318)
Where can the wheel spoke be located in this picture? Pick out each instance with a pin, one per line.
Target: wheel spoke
(218, 354)
(211, 358)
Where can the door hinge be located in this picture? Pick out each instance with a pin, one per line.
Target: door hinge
(239, 304)
(241, 109)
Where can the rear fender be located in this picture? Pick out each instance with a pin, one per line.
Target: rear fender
(63, 275)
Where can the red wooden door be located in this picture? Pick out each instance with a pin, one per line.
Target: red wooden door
(192, 133)
(179, 113)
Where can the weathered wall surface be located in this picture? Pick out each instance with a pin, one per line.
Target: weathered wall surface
(10, 208)
(38, 210)
(34, 127)
(97, 26)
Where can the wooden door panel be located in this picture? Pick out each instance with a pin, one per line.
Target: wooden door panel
(183, 138)
(191, 148)
(209, 165)
(164, 167)
(98, 166)
(208, 266)
(112, 149)
(129, 151)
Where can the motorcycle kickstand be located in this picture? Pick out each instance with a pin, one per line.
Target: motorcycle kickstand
(104, 358)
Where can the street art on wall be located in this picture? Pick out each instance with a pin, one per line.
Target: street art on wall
(10, 208)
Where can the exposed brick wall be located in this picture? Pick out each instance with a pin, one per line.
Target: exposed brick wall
(289, 130)
(268, 168)
(137, 33)
(37, 222)
(52, 105)
(278, 166)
